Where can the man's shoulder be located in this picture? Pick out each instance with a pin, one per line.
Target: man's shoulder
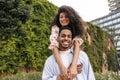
(83, 53)
(50, 58)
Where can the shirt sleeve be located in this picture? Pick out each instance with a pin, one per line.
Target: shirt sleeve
(48, 73)
(53, 37)
(88, 69)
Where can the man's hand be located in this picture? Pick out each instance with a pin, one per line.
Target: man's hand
(79, 68)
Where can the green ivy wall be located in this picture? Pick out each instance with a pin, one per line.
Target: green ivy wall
(24, 37)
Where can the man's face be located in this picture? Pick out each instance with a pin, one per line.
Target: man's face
(65, 39)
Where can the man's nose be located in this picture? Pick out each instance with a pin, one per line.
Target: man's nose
(66, 37)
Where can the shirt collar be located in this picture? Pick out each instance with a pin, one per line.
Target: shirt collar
(71, 50)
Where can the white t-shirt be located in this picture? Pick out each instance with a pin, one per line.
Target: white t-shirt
(64, 56)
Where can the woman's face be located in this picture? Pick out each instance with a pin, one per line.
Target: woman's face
(63, 19)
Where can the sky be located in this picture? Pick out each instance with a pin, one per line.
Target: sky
(87, 9)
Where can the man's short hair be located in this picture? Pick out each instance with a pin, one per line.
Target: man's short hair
(65, 27)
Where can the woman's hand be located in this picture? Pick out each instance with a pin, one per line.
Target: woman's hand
(77, 41)
(63, 70)
(73, 71)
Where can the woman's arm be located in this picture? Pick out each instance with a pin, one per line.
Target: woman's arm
(77, 42)
(54, 47)
(73, 67)
(63, 69)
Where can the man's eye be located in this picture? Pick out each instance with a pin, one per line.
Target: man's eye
(62, 35)
(69, 36)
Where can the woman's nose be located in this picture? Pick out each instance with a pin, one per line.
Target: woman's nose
(63, 18)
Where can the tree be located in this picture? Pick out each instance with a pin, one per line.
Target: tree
(12, 14)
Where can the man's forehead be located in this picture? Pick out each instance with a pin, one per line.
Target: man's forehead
(66, 31)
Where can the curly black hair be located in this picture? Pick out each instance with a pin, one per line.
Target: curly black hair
(76, 22)
(68, 28)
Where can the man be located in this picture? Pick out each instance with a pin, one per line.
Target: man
(51, 70)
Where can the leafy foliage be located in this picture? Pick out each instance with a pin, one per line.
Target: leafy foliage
(13, 13)
(24, 37)
(24, 34)
(100, 43)
(38, 76)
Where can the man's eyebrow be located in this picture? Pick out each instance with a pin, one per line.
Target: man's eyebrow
(62, 34)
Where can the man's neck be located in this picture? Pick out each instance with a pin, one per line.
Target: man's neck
(64, 49)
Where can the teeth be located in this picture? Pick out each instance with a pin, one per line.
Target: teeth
(65, 42)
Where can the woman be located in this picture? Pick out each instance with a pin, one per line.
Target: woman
(67, 16)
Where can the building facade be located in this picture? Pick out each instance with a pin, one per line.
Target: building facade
(111, 23)
(114, 5)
